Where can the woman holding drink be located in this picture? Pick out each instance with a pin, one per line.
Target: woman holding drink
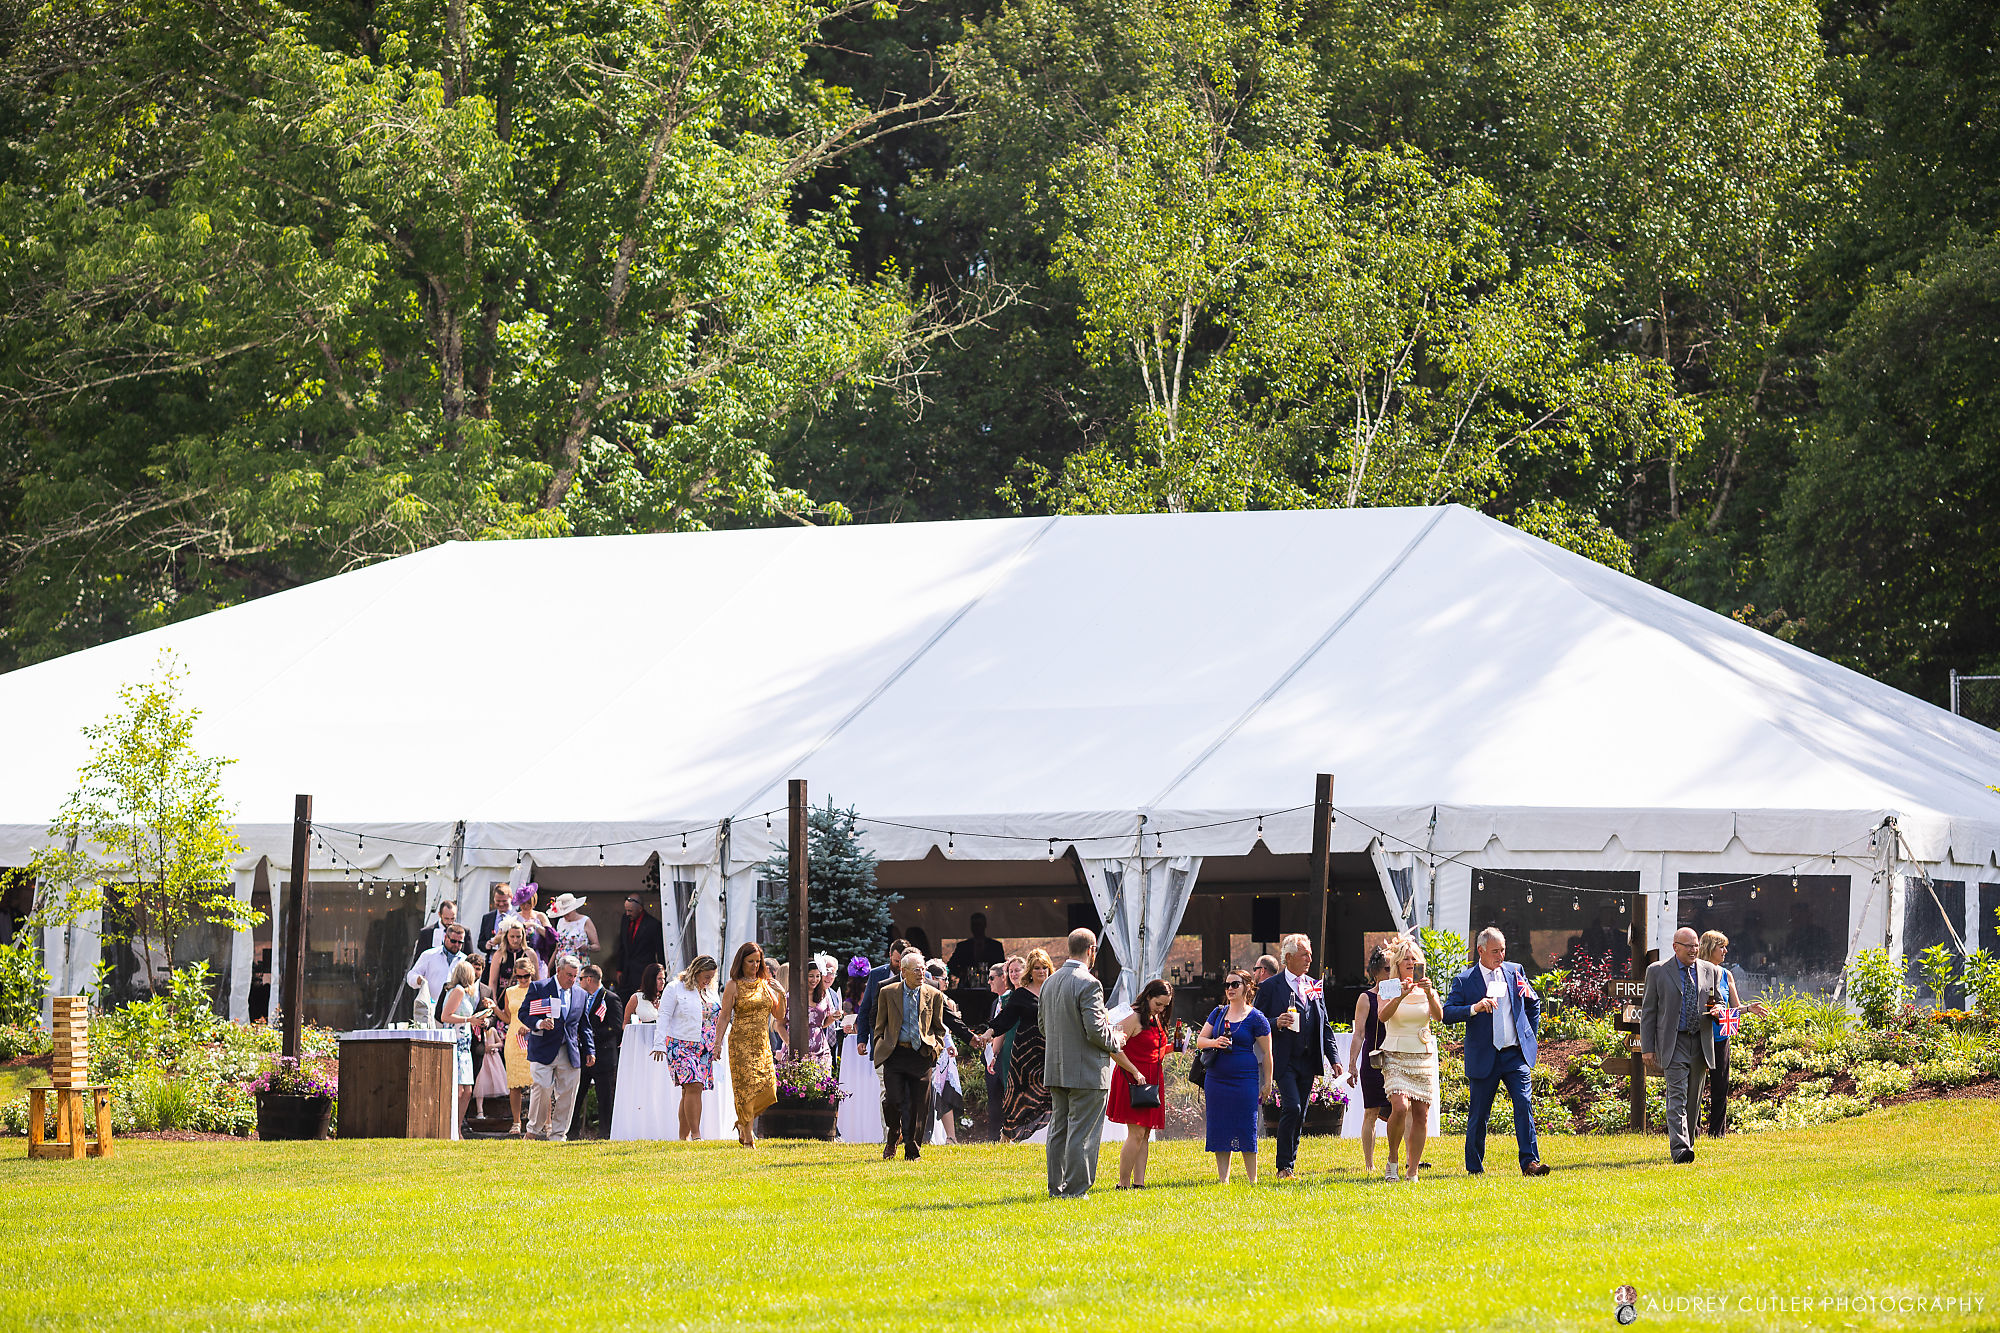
(1409, 1053)
(1240, 1075)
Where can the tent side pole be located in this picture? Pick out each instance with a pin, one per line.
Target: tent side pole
(295, 925)
(1322, 911)
(800, 936)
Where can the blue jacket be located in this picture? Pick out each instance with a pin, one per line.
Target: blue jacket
(1469, 988)
(570, 1031)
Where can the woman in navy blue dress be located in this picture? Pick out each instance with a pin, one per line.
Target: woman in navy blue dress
(1239, 1074)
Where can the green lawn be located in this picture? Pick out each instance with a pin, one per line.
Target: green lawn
(508, 1236)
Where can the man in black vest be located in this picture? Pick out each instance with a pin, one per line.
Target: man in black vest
(606, 1015)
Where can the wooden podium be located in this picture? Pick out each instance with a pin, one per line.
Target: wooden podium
(397, 1083)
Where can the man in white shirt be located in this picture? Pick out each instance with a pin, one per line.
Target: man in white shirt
(1302, 1045)
(435, 964)
(1502, 1014)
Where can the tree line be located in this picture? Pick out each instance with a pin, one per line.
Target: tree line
(1705, 291)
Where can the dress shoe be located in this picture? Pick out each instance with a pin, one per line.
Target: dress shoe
(911, 1154)
(1534, 1169)
(1682, 1158)
(1285, 1174)
(888, 1151)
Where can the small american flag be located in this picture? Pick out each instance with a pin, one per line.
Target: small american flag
(1728, 1021)
(541, 1008)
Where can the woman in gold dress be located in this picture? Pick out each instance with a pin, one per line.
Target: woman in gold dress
(749, 1003)
(518, 1076)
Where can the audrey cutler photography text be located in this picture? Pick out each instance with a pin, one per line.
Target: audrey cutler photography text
(1942, 1304)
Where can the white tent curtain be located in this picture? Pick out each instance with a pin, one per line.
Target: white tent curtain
(1141, 901)
(243, 948)
(1403, 877)
(702, 877)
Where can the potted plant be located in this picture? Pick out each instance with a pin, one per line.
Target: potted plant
(808, 1095)
(294, 1099)
(1325, 1108)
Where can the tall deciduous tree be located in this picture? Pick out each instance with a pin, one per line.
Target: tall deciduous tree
(413, 272)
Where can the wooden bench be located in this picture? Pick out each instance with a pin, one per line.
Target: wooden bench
(71, 1122)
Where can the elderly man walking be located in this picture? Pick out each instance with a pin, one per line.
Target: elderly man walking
(1675, 1037)
(1076, 1067)
(560, 1048)
(907, 1040)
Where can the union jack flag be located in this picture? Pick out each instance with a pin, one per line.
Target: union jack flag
(1311, 988)
(1728, 1021)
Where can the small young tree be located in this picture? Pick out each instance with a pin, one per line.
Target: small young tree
(849, 911)
(146, 832)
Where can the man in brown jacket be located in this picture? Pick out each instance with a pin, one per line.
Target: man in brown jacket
(908, 1037)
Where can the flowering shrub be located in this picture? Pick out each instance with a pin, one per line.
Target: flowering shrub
(1586, 985)
(290, 1077)
(17, 1041)
(809, 1082)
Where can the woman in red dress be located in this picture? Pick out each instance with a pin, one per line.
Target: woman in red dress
(1144, 1060)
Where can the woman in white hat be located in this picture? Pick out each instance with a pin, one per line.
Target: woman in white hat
(575, 932)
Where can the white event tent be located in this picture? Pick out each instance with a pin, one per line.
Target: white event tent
(1144, 692)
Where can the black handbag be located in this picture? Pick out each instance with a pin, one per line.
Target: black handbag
(1145, 1096)
(1198, 1071)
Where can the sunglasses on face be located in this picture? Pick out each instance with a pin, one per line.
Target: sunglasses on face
(1232, 985)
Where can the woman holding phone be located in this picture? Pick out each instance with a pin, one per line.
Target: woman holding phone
(1409, 1054)
(1239, 1074)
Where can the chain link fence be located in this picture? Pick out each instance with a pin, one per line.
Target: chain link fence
(1977, 697)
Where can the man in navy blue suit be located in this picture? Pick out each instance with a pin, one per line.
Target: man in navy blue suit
(1501, 1013)
(1302, 1045)
(560, 1048)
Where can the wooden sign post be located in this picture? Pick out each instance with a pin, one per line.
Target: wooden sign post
(293, 990)
(798, 943)
(1629, 996)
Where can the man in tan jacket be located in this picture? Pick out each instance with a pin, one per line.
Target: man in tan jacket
(906, 1043)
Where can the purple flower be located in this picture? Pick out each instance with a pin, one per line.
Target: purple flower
(857, 966)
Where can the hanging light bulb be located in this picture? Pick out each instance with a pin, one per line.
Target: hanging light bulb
(1531, 895)
(1260, 826)
(1753, 890)
(684, 841)
(517, 856)
(1052, 849)
(1621, 907)
(1482, 883)
(1156, 842)
(950, 840)
(600, 853)
(1576, 904)
(1795, 881)
(1711, 899)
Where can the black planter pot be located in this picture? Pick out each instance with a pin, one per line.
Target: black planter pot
(1324, 1119)
(801, 1120)
(284, 1116)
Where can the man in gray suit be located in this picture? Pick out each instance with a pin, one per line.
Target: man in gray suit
(1077, 1067)
(1675, 1034)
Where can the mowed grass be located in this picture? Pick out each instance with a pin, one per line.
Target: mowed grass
(504, 1235)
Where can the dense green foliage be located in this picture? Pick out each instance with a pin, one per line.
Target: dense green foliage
(1700, 290)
